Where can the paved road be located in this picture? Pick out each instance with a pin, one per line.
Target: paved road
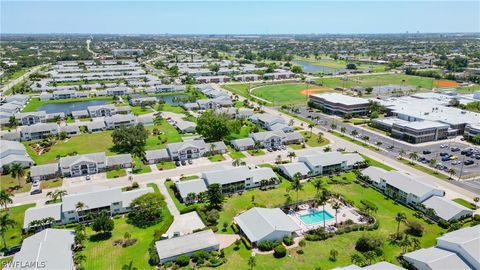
(325, 122)
(12, 83)
(454, 189)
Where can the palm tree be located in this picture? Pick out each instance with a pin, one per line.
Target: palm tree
(405, 243)
(354, 132)
(291, 155)
(80, 206)
(5, 223)
(318, 184)
(17, 171)
(336, 206)
(252, 262)
(370, 256)
(129, 266)
(296, 185)
(476, 200)
(343, 129)
(79, 258)
(257, 145)
(237, 162)
(413, 156)
(415, 243)
(53, 195)
(452, 172)
(322, 198)
(401, 153)
(333, 126)
(401, 217)
(5, 199)
(310, 126)
(430, 212)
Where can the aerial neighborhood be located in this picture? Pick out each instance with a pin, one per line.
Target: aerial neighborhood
(238, 151)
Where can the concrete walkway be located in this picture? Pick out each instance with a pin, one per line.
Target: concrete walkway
(170, 204)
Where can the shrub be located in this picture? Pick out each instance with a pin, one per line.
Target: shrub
(200, 254)
(152, 252)
(266, 245)
(212, 216)
(476, 217)
(247, 243)
(415, 228)
(369, 243)
(288, 240)
(182, 260)
(280, 251)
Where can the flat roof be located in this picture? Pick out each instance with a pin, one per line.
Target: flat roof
(342, 99)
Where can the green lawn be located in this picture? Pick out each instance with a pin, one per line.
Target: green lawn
(216, 158)
(81, 144)
(53, 183)
(312, 139)
(288, 93)
(7, 182)
(167, 107)
(139, 110)
(17, 213)
(166, 165)
(256, 152)
(355, 141)
(169, 134)
(139, 167)
(180, 206)
(465, 203)
(376, 163)
(85, 82)
(234, 154)
(243, 133)
(116, 173)
(387, 210)
(340, 64)
(101, 254)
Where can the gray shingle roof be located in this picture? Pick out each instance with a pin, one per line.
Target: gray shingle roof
(191, 186)
(46, 169)
(156, 154)
(295, 167)
(258, 223)
(93, 199)
(119, 159)
(94, 157)
(41, 212)
(52, 247)
(186, 244)
(245, 142)
(437, 258)
(445, 208)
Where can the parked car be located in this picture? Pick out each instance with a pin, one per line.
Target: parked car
(443, 154)
(87, 177)
(468, 162)
(454, 149)
(190, 161)
(177, 163)
(426, 152)
(183, 162)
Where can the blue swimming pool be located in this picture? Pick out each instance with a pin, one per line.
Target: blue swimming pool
(315, 217)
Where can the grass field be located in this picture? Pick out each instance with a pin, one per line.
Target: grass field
(377, 80)
(387, 210)
(116, 173)
(17, 213)
(166, 165)
(311, 139)
(101, 254)
(139, 167)
(7, 182)
(234, 154)
(53, 183)
(216, 158)
(138, 110)
(339, 64)
(256, 152)
(288, 93)
(102, 142)
(465, 203)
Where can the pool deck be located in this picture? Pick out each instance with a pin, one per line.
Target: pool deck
(344, 213)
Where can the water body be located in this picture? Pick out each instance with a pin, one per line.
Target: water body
(172, 99)
(311, 68)
(68, 107)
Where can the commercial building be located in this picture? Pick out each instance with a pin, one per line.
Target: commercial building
(340, 104)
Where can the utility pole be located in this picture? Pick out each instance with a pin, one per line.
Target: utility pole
(461, 169)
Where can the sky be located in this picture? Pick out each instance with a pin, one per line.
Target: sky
(238, 17)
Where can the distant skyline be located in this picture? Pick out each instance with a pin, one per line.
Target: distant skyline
(235, 17)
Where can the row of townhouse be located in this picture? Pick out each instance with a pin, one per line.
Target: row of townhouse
(318, 163)
(239, 113)
(417, 191)
(267, 139)
(454, 250)
(95, 199)
(212, 93)
(63, 94)
(13, 152)
(231, 180)
(211, 103)
(72, 166)
(31, 118)
(10, 105)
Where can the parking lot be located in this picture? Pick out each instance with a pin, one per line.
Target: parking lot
(465, 165)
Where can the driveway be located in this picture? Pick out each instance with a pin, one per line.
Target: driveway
(185, 224)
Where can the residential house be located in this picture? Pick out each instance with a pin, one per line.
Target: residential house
(291, 169)
(169, 249)
(187, 150)
(243, 144)
(38, 131)
(101, 110)
(30, 118)
(264, 224)
(156, 156)
(330, 162)
(13, 152)
(44, 172)
(50, 249)
(118, 120)
(185, 126)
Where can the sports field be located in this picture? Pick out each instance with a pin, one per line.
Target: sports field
(385, 79)
(288, 93)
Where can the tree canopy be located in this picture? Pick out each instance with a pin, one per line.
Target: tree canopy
(146, 210)
(130, 139)
(213, 126)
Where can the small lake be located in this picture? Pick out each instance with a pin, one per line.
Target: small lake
(68, 107)
(311, 68)
(173, 99)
